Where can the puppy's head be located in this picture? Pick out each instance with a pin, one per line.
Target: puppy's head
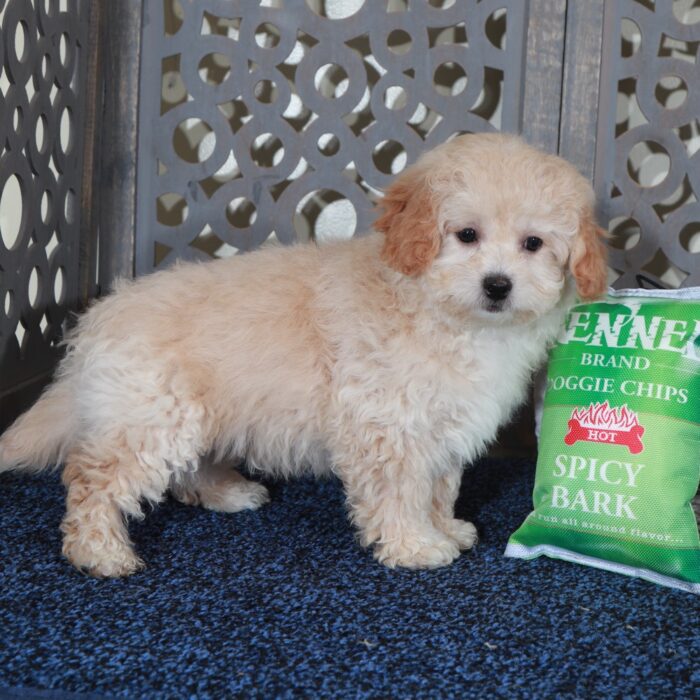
(495, 226)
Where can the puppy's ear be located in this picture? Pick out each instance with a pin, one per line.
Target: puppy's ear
(588, 261)
(407, 220)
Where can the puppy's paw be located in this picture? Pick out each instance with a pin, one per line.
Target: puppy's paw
(116, 562)
(235, 496)
(418, 551)
(461, 531)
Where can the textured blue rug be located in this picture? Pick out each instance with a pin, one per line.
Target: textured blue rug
(283, 603)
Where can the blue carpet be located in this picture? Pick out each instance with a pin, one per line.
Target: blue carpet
(283, 603)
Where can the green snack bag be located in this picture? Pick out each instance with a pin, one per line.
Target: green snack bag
(619, 454)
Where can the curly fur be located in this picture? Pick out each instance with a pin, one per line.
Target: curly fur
(378, 358)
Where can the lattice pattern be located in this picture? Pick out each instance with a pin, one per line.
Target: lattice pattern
(648, 170)
(286, 121)
(40, 170)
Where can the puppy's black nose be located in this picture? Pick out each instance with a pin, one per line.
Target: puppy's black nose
(497, 287)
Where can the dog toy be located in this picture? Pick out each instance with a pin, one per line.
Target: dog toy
(619, 458)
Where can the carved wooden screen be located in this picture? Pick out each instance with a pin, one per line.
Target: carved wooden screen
(648, 144)
(285, 120)
(42, 111)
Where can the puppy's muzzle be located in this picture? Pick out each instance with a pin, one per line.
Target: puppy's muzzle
(497, 288)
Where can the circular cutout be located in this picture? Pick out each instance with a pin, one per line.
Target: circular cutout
(331, 80)
(64, 55)
(19, 30)
(9, 303)
(328, 144)
(193, 140)
(21, 41)
(671, 91)
(449, 79)
(625, 233)
(45, 207)
(265, 91)
(46, 66)
(325, 214)
(389, 157)
(69, 206)
(11, 212)
(332, 9)
(17, 119)
(40, 134)
(267, 35)
(395, 97)
(174, 17)
(337, 220)
(49, 7)
(399, 42)
(34, 288)
(173, 89)
(689, 237)
(686, 11)
(648, 164)
(267, 150)
(630, 37)
(63, 49)
(66, 130)
(495, 28)
(241, 212)
(214, 68)
(59, 286)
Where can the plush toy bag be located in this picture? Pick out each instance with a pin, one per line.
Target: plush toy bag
(619, 451)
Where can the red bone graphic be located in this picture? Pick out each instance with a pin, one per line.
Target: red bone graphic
(632, 439)
(601, 423)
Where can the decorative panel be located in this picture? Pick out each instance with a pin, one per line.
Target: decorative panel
(648, 164)
(42, 105)
(284, 120)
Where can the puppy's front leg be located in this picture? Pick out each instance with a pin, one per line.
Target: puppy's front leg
(445, 492)
(390, 493)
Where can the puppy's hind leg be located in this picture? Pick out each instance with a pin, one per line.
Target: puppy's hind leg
(106, 481)
(218, 487)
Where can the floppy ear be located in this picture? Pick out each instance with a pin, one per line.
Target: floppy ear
(588, 261)
(407, 220)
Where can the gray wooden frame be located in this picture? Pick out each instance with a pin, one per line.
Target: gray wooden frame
(277, 190)
(543, 69)
(61, 63)
(551, 79)
(663, 210)
(123, 22)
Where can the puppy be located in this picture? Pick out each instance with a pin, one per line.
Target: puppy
(389, 360)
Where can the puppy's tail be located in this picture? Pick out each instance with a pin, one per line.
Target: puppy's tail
(38, 438)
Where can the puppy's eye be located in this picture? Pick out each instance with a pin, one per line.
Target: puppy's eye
(532, 243)
(467, 235)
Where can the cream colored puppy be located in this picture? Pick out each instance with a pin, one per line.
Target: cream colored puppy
(389, 360)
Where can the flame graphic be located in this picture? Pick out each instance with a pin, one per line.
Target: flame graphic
(601, 415)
